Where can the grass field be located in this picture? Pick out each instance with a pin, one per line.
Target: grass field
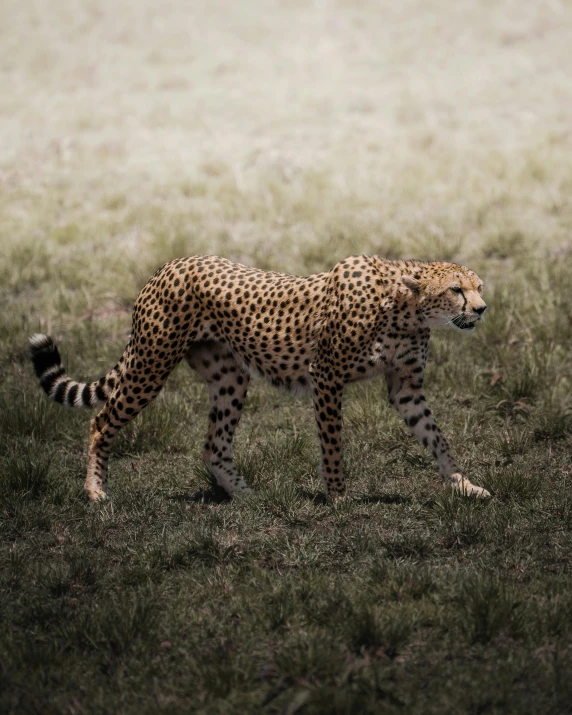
(287, 135)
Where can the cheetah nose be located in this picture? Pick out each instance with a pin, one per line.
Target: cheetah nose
(481, 310)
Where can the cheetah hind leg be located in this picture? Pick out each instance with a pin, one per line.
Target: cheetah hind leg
(227, 384)
(120, 408)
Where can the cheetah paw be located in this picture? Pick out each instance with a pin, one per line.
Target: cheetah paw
(97, 495)
(464, 486)
(243, 492)
(478, 492)
(337, 498)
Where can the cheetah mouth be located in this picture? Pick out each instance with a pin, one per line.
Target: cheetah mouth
(462, 324)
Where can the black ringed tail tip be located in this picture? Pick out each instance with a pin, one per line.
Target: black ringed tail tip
(53, 379)
(44, 353)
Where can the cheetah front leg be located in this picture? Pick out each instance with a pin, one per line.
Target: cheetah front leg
(406, 396)
(327, 396)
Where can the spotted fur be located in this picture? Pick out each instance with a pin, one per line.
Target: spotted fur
(365, 317)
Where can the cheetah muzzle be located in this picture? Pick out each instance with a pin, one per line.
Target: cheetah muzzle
(367, 316)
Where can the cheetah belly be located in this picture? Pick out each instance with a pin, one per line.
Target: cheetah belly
(373, 363)
(286, 366)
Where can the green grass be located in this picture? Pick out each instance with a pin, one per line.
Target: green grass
(403, 597)
(287, 136)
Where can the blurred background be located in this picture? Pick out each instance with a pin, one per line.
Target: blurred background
(282, 134)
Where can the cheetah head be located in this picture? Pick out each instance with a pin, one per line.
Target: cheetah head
(448, 295)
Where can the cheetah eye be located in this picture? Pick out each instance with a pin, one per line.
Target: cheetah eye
(456, 289)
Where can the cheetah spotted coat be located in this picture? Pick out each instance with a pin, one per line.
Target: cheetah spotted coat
(365, 317)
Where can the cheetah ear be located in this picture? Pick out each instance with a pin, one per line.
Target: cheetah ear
(412, 283)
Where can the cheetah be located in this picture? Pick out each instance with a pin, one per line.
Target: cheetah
(365, 317)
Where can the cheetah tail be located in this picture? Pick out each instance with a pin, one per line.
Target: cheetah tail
(58, 385)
